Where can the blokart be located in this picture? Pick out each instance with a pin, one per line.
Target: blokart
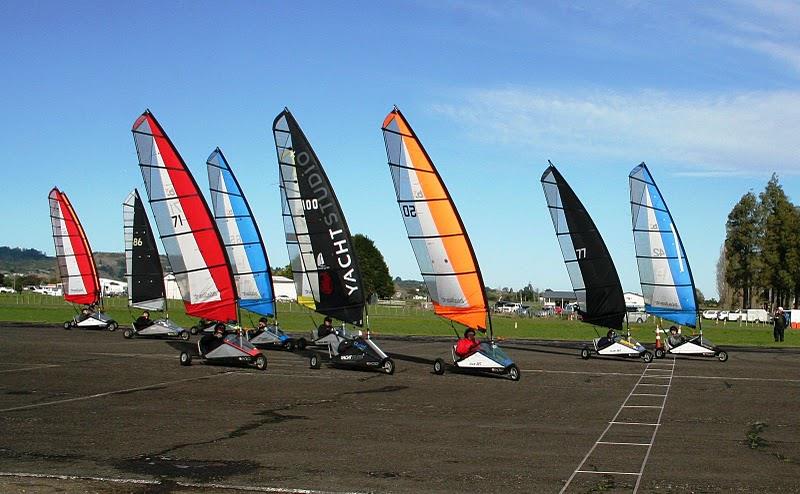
(487, 359)
(231, 349)
(161, 328)
(96, 320)
(350, 350)
(203, 326)
(694, 345)
(273, 337)
(617, 347)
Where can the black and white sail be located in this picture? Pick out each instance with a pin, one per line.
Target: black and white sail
(142, 264)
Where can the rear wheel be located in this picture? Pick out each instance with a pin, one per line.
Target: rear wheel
(438, 367)
(585, 353)
(186, 359)
(112, 325)
(659, 353)
(313, 362)
(722, 356)
(184, 335)
(288, 345)
(647, 357)
(127, 334)
(513, 372)
(261, 362)
(68, 325)
(388, 366)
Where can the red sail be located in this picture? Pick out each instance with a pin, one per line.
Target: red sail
(193, 245)
(75, 262)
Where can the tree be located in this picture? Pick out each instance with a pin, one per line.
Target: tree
(701, 299)
(780, 260)
(285, 271)
(374, 270)
(742, 245)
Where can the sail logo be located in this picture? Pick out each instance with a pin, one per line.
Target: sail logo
(344, 260)
(324, 199)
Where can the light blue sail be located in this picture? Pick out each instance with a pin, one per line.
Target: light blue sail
(664, 272)
(243, 242)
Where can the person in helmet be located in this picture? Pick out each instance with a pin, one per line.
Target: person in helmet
(675, 338)
(467, 345)
(608, 339)
(143, 321)
(211, 342)
(262, 326)
(325, 328)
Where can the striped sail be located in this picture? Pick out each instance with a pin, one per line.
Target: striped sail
(187, 229)
(591, 269)
(664, 272)
(440, 243)
(142, 264)
(324, 265)
(241, 236)
(74, 255)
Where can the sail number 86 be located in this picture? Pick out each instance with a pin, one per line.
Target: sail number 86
(409, 211)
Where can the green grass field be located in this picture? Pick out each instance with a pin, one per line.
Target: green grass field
(391, 321)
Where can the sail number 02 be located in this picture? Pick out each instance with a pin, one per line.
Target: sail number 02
(409, 211)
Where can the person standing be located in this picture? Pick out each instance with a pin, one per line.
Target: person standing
(779, 324)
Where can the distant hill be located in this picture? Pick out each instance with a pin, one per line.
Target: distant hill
(35, 262)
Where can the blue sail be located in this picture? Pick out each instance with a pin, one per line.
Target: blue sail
(243, 242)
(664, 272)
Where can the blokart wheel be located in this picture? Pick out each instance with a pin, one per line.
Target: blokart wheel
(261, 363)
(585, 354)
(184, 335)
(68, 325)
(127, 334)
(659, 353)
(438, 367)
(112, 325)
(647, 357)
(194, 330)
(722, 356)
(301, 344)
(288, 345)
(314, 362)
(388, 366)
(186, 359)
(513, 372)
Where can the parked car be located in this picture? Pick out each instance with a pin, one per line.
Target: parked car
(710, 314)
(638, 317)
(5, 289)
(757, 315)
(737, 315)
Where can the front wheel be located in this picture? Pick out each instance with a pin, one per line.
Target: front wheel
(585, 353)
(659, 353)
(313, 362)
(112, 325)
(127, 334)
(261, 363)
(647, 357)
(186, 359)
(513, 372)
(184, 335)
(194, 330)
(388, 366)
(68, 325)
(438, 367)
(722, 356)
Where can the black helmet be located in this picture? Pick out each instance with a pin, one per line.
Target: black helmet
(468, 331)
(219, 328)
(264, 320)
(673, 328)
(328, 319)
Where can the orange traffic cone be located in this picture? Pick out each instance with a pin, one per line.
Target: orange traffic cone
(658, 338)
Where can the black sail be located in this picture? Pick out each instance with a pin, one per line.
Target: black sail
(143, 265)
(326, 273)
(591, 269)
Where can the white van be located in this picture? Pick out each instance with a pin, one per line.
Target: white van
(757, 315)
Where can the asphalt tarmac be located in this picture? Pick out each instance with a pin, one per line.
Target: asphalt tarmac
(88, 411)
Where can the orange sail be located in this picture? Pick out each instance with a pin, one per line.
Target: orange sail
(437, 235)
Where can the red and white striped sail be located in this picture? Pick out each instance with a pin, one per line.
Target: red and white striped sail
(191, 240)
(75, 262)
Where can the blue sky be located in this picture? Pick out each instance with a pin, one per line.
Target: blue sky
(705, 92)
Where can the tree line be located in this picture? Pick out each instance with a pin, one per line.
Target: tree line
(759, 264)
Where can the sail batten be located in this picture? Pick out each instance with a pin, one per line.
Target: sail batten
(76, 266)
(589, 264)
(438, 238)
(664, 272)
(241, 236)
(143, 269)
(188, 233)
(324, 265)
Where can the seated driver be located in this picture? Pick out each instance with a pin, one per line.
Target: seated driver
(85, 313)
(262, 326)
(325, 328)
(211, 342)
(608, 339)
(143, 321)
(467, 345)
(674, 339)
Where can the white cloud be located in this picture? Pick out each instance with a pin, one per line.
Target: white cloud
(738, 133)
